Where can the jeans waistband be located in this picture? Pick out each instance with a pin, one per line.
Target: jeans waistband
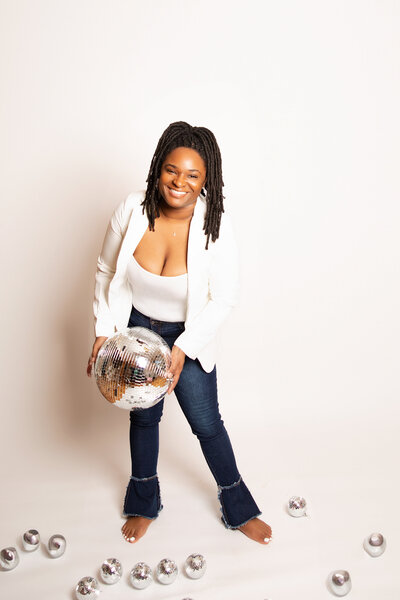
(163, 328)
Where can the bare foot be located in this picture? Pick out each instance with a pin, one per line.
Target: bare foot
(257, 530)
(135, 528)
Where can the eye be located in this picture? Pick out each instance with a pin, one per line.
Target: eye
(194, 176)
(170, 170)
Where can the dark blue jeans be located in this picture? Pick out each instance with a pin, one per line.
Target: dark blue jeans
(196, 392)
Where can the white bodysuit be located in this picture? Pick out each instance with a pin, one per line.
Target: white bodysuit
(156, 296)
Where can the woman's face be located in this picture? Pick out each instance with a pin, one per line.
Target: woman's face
(183, 174)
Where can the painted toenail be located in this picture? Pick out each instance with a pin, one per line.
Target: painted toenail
(132, 539)
(266, 540)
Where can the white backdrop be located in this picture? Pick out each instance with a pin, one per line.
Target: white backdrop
(303, 99)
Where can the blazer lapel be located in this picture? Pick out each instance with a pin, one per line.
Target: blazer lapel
(137, 226)
(197, 254)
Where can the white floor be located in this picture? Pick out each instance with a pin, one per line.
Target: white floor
(76, 488)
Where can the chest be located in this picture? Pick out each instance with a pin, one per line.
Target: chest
(164, 250)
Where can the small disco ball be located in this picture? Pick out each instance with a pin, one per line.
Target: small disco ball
(87, 588)
(297, 506)
(31, 540)
(339, 582)
(166, 571)
(375, 544)
(195, 566)
(131, 368)
(111, 571)
(9, 558)
(141, 576)
(56, 545)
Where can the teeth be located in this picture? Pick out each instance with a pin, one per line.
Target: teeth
(176, 193)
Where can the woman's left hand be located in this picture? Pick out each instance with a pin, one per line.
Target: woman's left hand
(177, 361)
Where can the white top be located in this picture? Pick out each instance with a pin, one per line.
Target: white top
(156, 296)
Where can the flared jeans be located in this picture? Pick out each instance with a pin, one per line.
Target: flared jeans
(196, 392)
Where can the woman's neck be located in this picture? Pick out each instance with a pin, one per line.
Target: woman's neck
(176, 214)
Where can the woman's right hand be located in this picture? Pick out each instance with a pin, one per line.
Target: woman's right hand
(98, 342)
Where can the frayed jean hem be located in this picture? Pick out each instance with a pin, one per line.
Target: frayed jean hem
(142, 498)
(126, 516)
(237, 504)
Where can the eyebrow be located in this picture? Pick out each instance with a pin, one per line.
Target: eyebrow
(175, 167)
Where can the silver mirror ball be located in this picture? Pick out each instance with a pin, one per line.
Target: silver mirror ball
(111, 571)
(56, 545)
(9, 558)
(339, 582)
(297, 506)
(87, 588)
(195, 566)
(375, 544)
(131, 368)
(31, 540)
(141, 576)
(166, 571)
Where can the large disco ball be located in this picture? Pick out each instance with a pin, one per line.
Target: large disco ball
(131, 368)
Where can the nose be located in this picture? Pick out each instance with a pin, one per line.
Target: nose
(179, 180)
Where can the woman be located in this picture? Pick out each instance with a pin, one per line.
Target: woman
(169, 263)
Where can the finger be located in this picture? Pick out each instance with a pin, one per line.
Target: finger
(90, 365)
(173, 384)
(174, 365)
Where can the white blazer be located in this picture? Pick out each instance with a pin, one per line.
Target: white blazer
(212, 278)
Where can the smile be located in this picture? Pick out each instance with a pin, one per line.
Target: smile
(175, 193)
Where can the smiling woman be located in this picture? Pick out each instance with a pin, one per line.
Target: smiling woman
(182, 177)
(169, 263)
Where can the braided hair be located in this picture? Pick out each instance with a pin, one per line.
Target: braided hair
(201, 139)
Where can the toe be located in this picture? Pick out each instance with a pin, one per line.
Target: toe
(267, 535)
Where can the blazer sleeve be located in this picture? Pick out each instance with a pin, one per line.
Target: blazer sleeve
(223, 287)
(106, 267)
